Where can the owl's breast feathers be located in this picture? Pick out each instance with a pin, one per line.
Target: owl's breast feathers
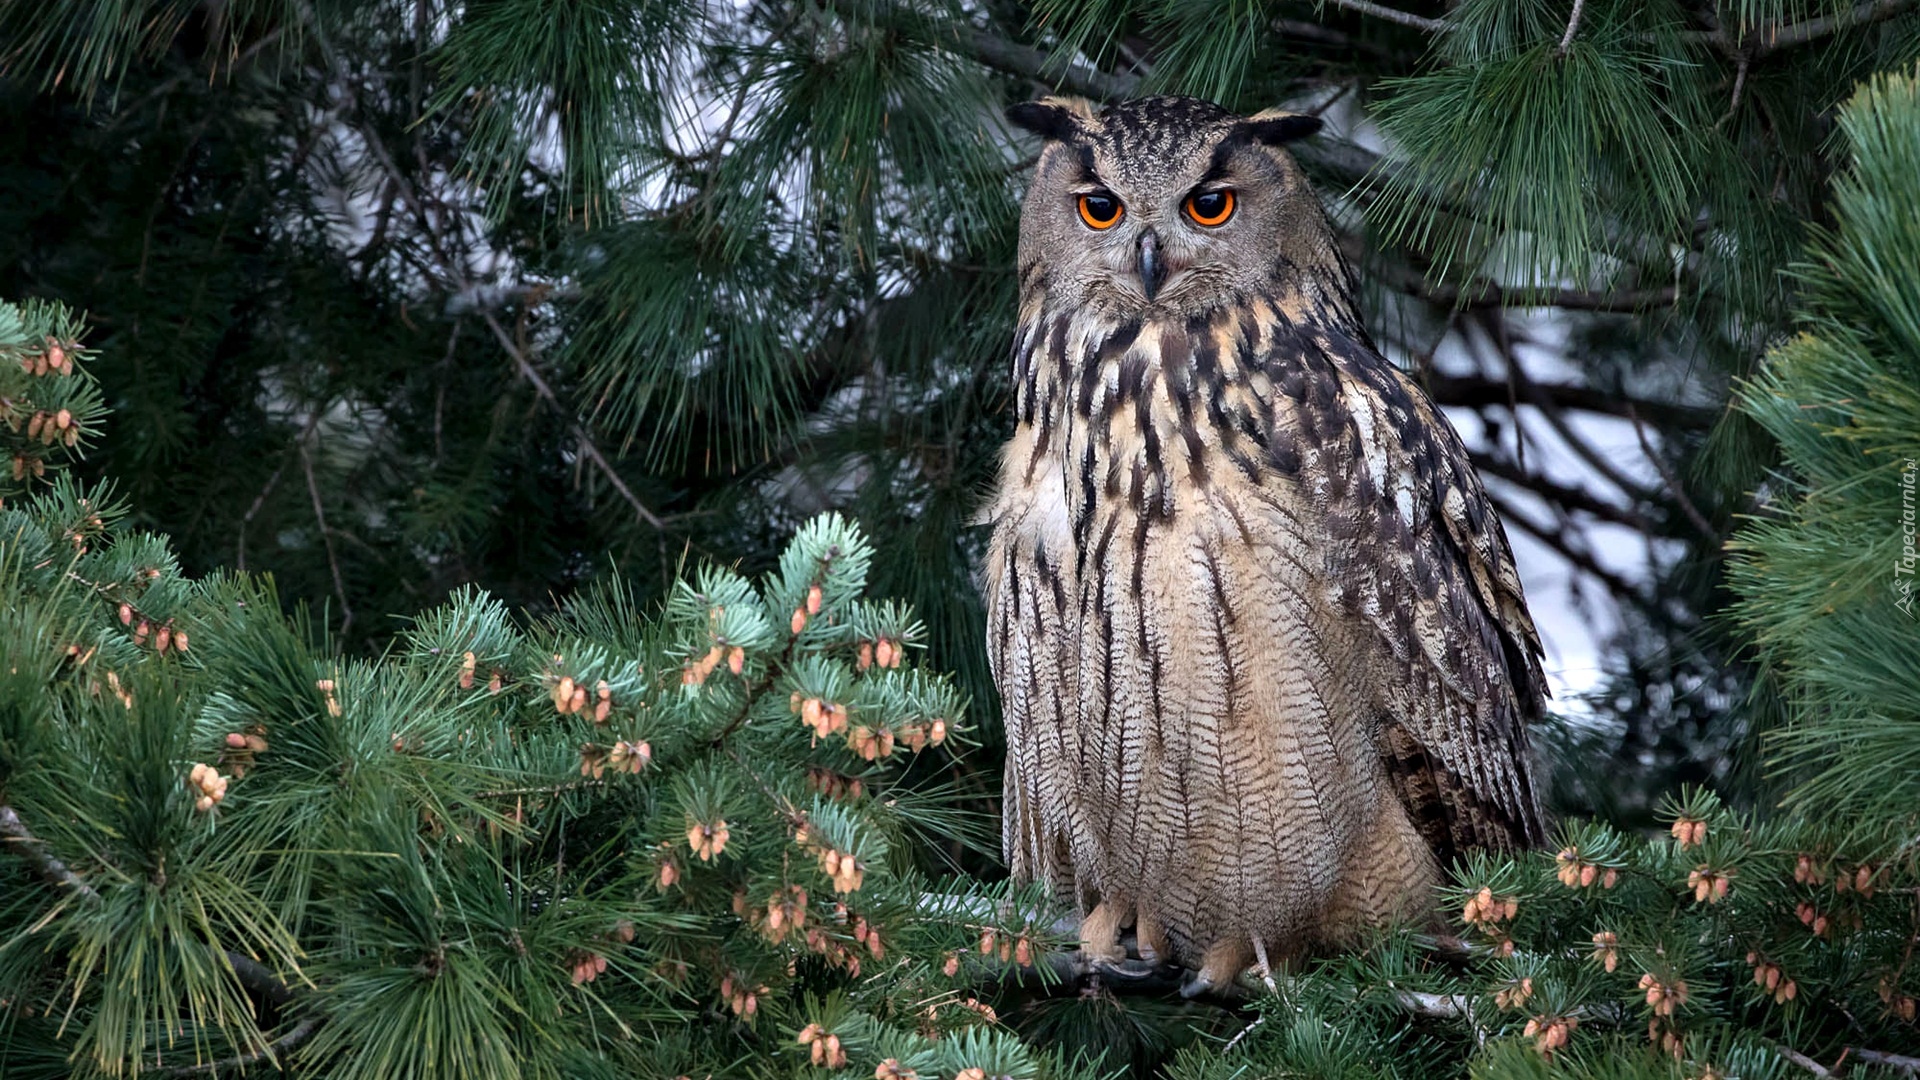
(1284, 402)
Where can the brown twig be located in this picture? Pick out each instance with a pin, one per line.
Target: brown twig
(1572, 498)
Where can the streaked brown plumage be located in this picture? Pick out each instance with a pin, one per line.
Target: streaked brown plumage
(1265, 661)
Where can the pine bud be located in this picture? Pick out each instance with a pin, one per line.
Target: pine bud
(737, 660)
(236, 741)
(467, 664)
(179, 641)
(55, 359)
(126, 614)
(814, 598)
(883, 653)
(865, 659)
(799, 621)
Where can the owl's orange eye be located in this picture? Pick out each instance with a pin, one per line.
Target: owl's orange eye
(1210, 207)
(1100, 210)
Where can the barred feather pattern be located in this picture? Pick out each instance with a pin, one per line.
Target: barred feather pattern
(1265, 661)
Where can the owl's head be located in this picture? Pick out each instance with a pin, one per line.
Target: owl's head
(1164, 205)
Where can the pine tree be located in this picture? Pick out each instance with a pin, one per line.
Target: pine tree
(605, 842)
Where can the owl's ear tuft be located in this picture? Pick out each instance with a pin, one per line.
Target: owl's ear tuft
(1055, 119)
(1274, 128)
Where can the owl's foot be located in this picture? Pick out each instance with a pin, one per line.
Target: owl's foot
(1150, 936)
(1100, 934)
(1224, 961)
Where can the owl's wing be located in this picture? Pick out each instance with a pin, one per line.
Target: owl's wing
(1420, 555)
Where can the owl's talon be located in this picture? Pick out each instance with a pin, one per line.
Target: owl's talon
(1196, 986)
(1130, 970)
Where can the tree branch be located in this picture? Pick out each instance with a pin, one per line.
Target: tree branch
(1571, 498)
(1479, 393)
(1768, 40)
(326, 539)
(991, 50)
(585, 441)
(1393, 15)
(268, 1054)
(1674, 489)
(1486, 294)
(22, 842)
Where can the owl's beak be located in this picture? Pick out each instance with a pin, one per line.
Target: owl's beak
(1152, 270)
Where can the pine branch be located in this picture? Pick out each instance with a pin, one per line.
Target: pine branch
(31, 848)
(1905, 1064)
(1771, 39)
(1393, 15)
(1573, 27)
(450, 269)
(991, 50)
(270, 1054)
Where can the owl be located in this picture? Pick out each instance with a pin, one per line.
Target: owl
(1264, 658)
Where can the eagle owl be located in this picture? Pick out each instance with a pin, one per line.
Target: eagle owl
(1265, 661)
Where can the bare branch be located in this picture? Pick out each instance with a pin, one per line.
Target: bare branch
(21, 841)
(1674, 489)
(1572, 498)
(1562, 544)
(1393, 15)
(1908, 1065)
(587, 446)
(1486, 294)
(1479, 393)
(1573, 27)
(326, 538)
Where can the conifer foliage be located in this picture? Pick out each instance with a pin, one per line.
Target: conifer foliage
(611, 842)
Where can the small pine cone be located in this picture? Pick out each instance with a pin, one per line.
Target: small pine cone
(814, 598)
(799, 622)
(865, 658)
(883, 654)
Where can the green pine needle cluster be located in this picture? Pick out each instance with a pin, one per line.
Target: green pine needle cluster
(612, 841)
(1826, 574)
(1717, 951)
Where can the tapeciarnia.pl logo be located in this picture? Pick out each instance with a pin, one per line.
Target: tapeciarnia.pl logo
(1904, 566)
